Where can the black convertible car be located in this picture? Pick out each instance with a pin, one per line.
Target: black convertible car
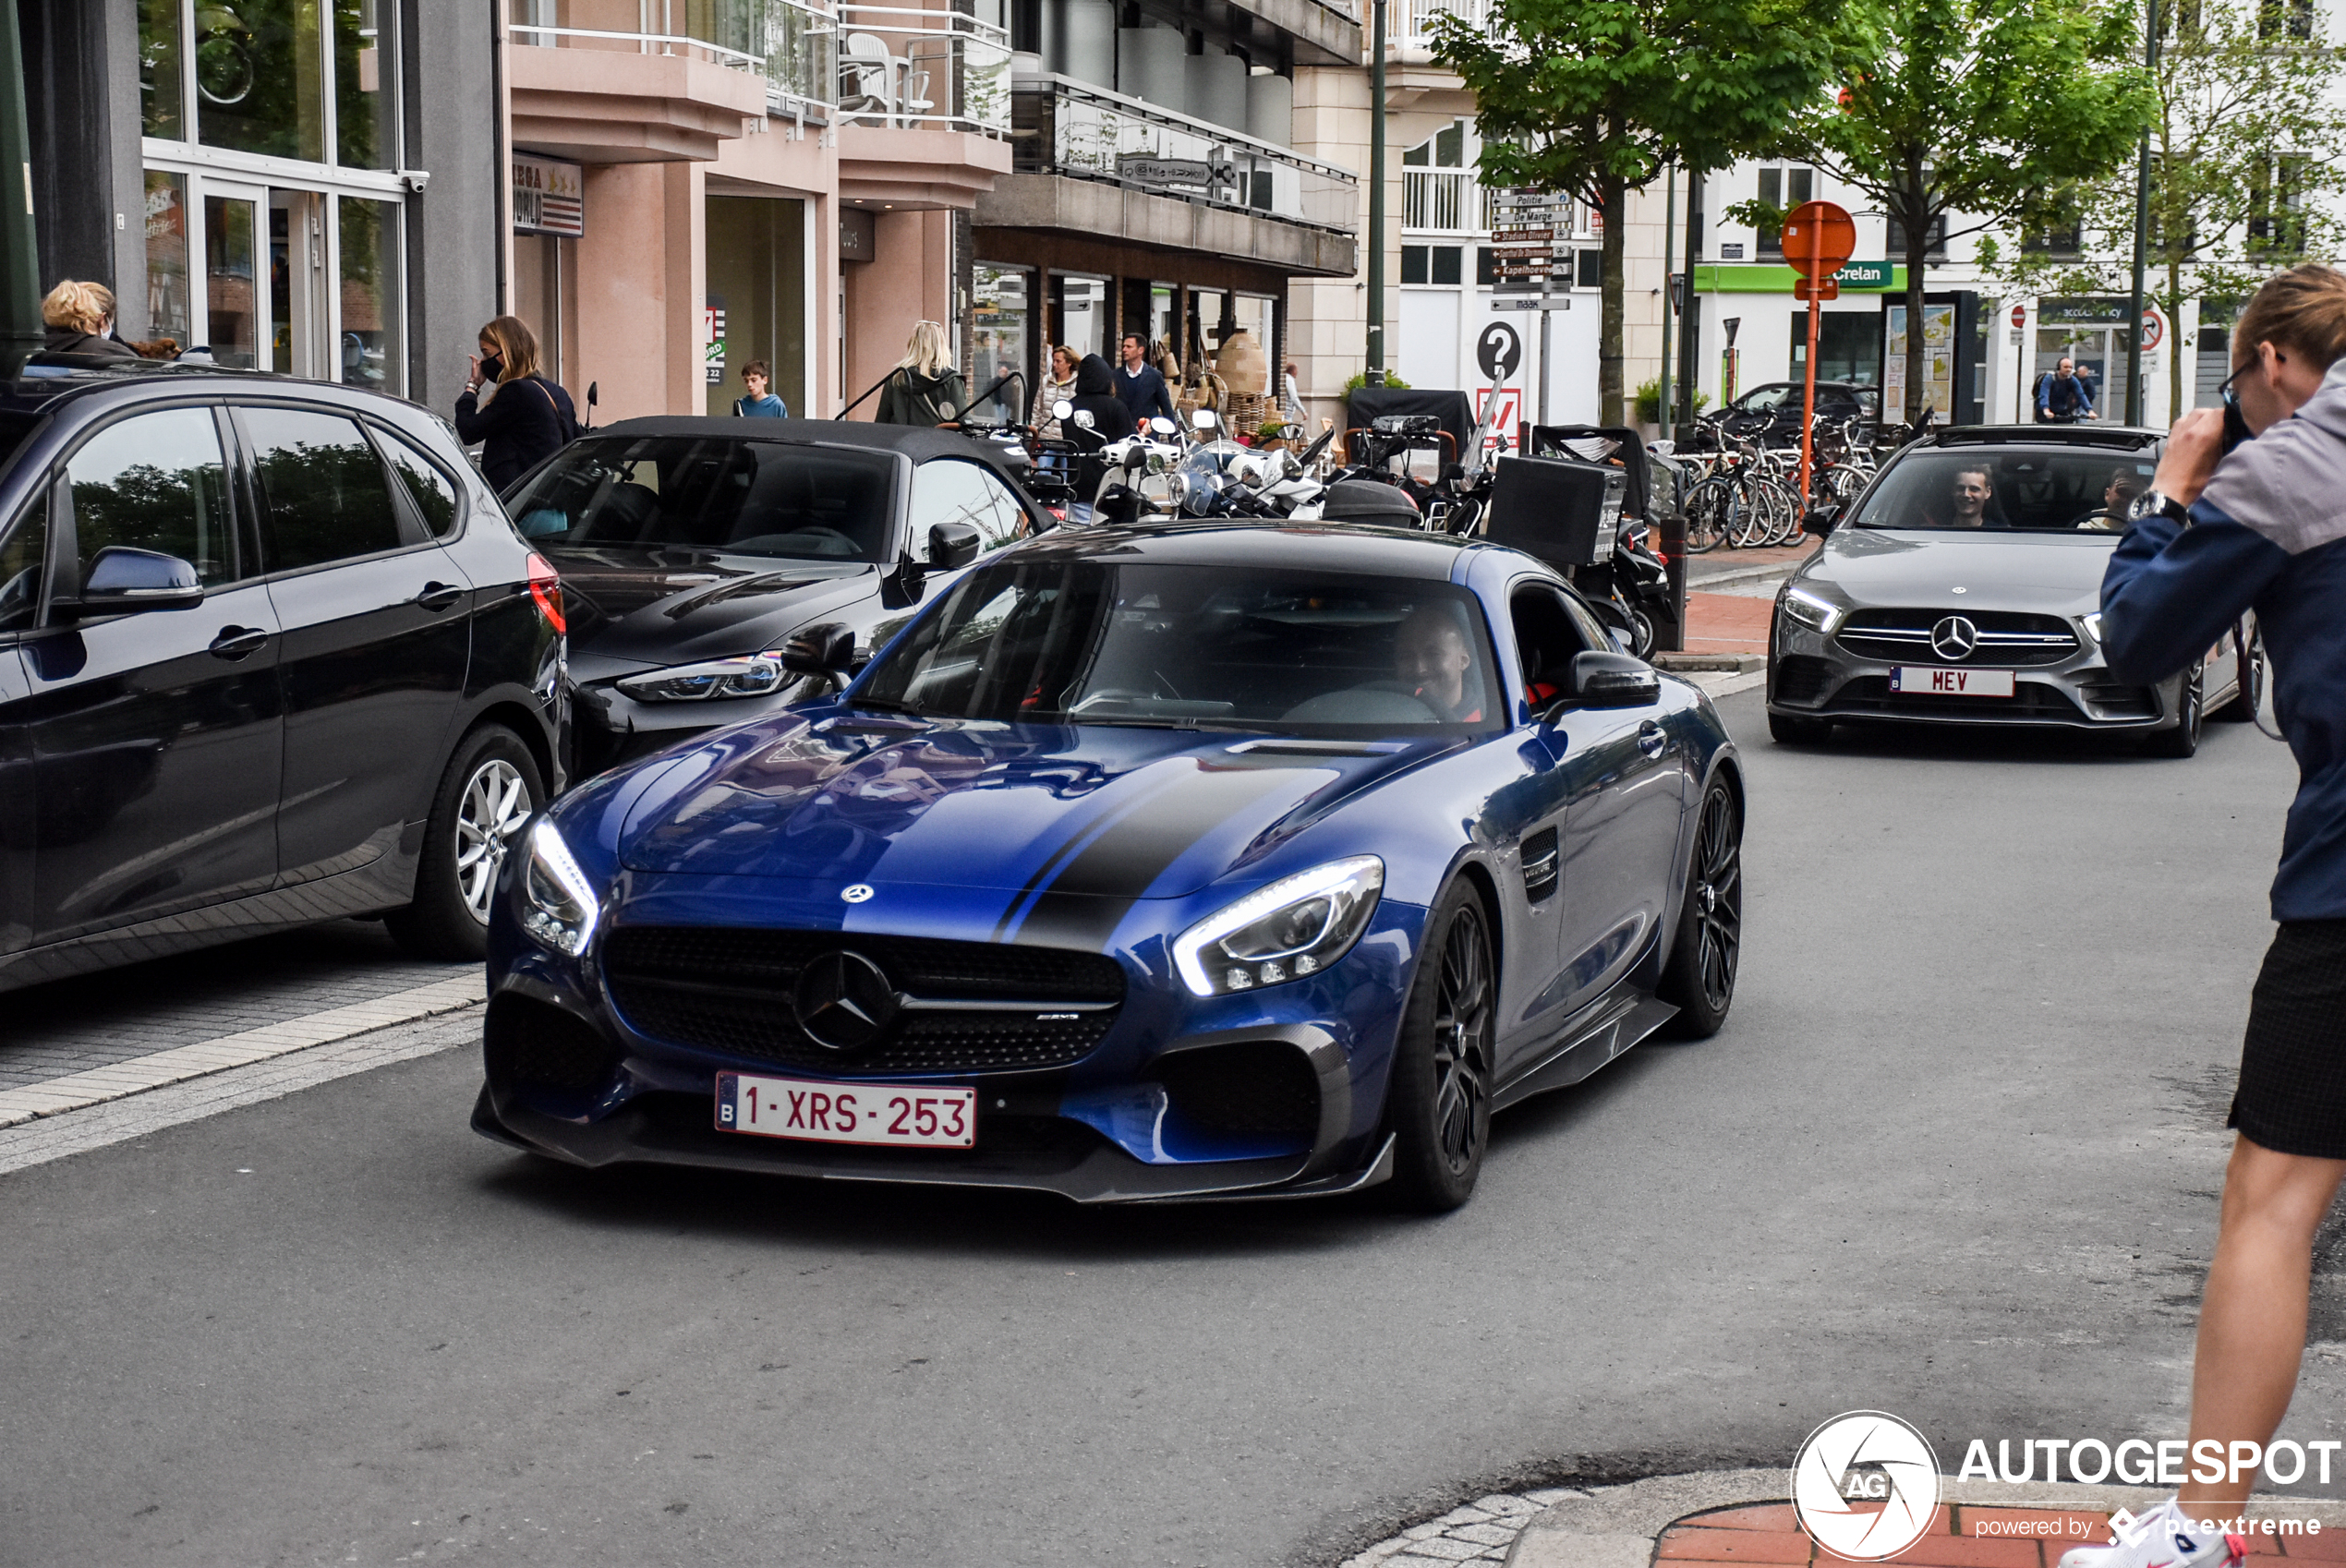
(691, 550)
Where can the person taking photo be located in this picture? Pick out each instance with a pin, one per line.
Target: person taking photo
(2219, 535)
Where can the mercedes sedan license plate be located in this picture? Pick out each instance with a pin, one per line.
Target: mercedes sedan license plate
(1933, 681)
(899, 1115)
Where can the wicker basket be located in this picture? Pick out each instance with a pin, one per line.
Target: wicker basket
(1249, 412)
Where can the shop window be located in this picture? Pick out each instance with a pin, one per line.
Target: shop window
(1413, 264)
(998, 316)
(1848, 346)
(161, 70)
(365, 132)
(370, 354)
(168, 312)
(257, 76)
(258, 70)
(1588, 267)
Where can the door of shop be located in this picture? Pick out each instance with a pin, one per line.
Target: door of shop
(233, 300)
(2100, 350)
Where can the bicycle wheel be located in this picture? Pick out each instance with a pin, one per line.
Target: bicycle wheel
(1751, 521)
(1707, 506)
(1788, 511)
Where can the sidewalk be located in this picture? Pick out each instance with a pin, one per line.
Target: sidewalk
(1739, 1517)
(1731, 594)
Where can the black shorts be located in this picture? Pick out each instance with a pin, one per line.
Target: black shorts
(2293, 1069)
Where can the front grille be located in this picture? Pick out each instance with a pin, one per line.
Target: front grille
(2008, 639)
(730, 989)
(1803, 678)
(2029, 700)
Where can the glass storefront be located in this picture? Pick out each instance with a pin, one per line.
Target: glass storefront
(1079, 306)
(300, 266)
(998, 316)
(756, 301)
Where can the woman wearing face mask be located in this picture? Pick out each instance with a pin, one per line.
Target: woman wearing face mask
(2217, 535)
(517, 414)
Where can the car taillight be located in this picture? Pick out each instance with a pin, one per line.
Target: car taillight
(546, 589)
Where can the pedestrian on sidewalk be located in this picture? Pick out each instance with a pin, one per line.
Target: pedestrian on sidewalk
(515, 415)
(1058, 386)
(2217, 536)
(2062, 396)
(759, 403)
(923, 389)
(1139, 385)
(79, 318)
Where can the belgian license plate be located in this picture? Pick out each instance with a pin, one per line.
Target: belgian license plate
(1931, 681)
(895, 1116)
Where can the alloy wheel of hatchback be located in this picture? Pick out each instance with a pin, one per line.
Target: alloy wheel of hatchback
(496, 805)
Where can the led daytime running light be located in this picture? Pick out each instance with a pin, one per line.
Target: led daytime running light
(1811, 609)
(563, 917)
(1364, 875)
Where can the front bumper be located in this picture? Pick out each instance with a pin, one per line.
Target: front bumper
(1126, 1121)
(1812, 675)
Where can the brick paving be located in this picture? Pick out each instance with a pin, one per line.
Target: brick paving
(94, 1021)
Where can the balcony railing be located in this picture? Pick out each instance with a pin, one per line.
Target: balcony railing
(791, 42)
(906, 67)
(1445, 200)
(1065, 127)
(1417, 19)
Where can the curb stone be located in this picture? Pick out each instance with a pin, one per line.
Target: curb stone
(1617, 1526)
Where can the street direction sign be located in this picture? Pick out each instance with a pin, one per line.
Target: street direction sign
(1815, 288)
(1499, 350)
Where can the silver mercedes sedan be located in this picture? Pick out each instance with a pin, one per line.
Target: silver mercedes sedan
(1965, 588)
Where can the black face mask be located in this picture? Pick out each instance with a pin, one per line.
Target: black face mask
(492, 368)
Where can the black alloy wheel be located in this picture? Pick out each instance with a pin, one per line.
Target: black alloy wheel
(1439, 1099)
(2255, 671)
(2180, 739)
(1700, 977)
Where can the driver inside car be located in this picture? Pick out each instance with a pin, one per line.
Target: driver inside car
(1971, 501)
(1432, 656)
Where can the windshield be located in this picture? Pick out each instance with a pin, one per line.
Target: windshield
(2015, 489)
(710, 493)
(1055, 641)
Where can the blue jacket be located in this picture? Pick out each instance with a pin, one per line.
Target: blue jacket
(2075, 400)
(1146, 394)
(2268, 535)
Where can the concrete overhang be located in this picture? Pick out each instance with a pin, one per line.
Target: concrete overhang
(1322, 34)
(615, 106)
(1099, 210)
(1415, 84)
(891, 165)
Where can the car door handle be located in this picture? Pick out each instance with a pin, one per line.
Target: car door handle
(1651, 738)
(239, 642)
(437, 596)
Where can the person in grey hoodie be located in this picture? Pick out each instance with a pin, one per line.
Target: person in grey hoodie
(923, 389)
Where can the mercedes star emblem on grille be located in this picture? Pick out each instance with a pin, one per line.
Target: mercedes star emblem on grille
(845, 1001)
(1953, 638)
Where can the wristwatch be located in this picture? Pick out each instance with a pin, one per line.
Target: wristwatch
(2157, 503)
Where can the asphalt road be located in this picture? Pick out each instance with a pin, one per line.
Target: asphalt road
(1954, 1157)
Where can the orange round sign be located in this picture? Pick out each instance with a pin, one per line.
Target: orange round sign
(1818, 238)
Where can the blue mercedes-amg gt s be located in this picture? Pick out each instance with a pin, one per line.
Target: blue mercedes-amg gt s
(1175, 862)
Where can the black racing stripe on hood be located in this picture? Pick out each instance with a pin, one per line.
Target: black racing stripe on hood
(1083, 906)
(1077, 842)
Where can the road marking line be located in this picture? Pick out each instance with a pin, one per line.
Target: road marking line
(97, 1085)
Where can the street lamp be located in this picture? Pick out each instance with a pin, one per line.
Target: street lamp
(1375, 375)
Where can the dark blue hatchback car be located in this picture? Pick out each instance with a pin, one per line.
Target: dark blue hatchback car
(270, 653)
(1148, 863)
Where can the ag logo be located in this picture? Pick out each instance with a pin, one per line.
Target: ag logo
(1866, 1485)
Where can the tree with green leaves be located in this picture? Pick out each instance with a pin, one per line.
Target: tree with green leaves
(2241, 179)
(1594, 98)
(1971, 108)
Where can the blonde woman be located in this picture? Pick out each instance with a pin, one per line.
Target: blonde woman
(516, 415)
(80, 317)
(923, 389)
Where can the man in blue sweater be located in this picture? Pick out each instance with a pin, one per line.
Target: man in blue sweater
(2061, 395)
(1138, 386)
(2262, 528)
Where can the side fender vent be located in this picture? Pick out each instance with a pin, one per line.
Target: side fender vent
(1541, 867)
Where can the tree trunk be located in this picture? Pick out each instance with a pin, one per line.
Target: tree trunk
(1613, 193)
(1917, 220)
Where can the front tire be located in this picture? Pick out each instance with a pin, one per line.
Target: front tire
(1700, 978)
(490, 790)
(1438, 1101)
(2181, 739)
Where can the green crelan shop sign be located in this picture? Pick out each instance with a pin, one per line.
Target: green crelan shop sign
(1857, 275)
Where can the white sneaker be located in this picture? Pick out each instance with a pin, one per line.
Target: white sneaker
(2162, 1538)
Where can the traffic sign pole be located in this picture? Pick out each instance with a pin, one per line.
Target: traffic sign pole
(1825, 236)
(1809, 392)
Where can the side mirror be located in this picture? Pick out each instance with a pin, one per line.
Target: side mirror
(125, 578)
(594, 393)
(1818, 522)
(1612, 680)
(1063, 407)
(826, 648)
(1159, 425)
(952, 545)
(1201, 419)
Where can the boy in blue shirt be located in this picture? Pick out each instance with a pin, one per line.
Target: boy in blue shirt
(761, 403)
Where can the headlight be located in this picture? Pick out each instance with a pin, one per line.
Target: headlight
(1811, 610)
(751, 675)
(559, 906)
(1297, 926)
(2093, 626)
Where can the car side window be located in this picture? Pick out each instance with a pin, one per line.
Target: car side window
(433, 493)
(1547, 635)
(23, 549)
(949, 491)
(156, 481)
(323, 493)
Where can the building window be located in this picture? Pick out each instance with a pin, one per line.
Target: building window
(1589, 267)
(2275, 206)
(304, 79)
(1783, 189)
(2052, 224)
(1934, 244)
(2285, 18)
(1438, 188)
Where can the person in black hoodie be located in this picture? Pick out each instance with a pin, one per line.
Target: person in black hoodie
(516, 415)
(80, 320)
(1111, 421)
